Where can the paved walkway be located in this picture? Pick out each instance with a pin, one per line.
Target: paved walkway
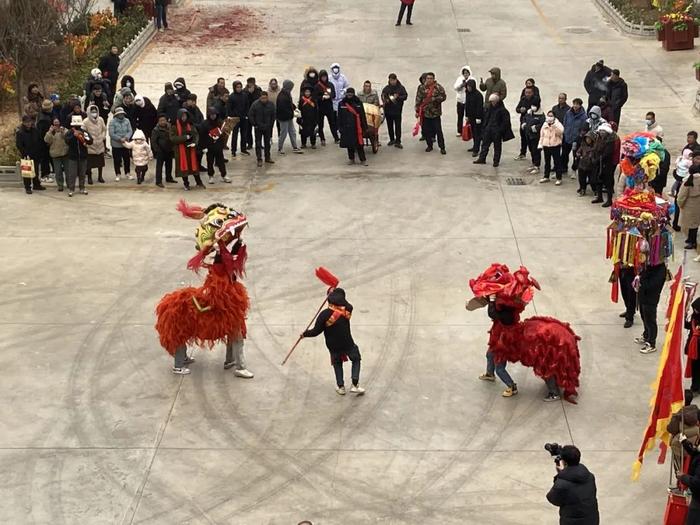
(95, 428)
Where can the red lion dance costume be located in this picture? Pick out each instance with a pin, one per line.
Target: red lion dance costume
(547, 345)
(215, 311)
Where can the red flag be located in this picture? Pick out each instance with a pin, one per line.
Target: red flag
(668, 388)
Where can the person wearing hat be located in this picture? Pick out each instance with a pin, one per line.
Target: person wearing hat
(30, 146)
(99, 99)
(596, 83)
(43, 123)
(109, 65)
(32, 102)
(78, 141)
(119, 131)
(496, 129)
(146, 115)
(493, 85)
(181, 91)
(141, 153)
(617, 94)
(55, 99)
(334, 323)
(352, 126)
(95, 79)
(169, 104)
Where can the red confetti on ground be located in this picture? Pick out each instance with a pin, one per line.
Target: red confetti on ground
(193, 27)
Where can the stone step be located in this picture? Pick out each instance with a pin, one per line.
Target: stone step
(9, 176)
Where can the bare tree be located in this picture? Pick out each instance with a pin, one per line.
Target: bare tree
(28, 30)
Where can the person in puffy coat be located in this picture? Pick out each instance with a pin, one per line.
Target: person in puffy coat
(352, 125)
(324, 94)
(30, 146)
(163, 151)
(97, 129)
(141, 153)
(393, 97)
(120, 131)
(58, 150)
(474, 113)
(551, 137)
(688, 201)
(460, 88)
(574, 490)
(146, 115)
(78, 141)
(184, 138)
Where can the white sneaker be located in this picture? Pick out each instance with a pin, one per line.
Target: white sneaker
(226, 179)
(557, 183)
(211, 180)
(358, 391)
(534, 169)
(244, 373)
(640, 340)
(181, 371)
(544, 179)
(573, 176)
(647, 349)
(696, 259)
(49, 179)
(116, 178)
(130, 176)
(340, 390)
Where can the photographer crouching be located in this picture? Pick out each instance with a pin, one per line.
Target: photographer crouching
(574, 490)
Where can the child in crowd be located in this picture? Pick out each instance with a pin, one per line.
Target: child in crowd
(141, 152)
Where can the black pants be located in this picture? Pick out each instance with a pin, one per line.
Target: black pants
(583, 178)
(523, 142)
(692, 236)
(46, 165)
(360, 153)
(308, 133)
(607, 181)
(432, 127)
(393, 124)
(565, 152)
(629, 295)
(402, 9)
(215, 157)
(240, 129)
(121, 156)
(140, 172)
(263, 138)
(486, 144)
(552, 161)
(535, 152)
(167, 162)
(332, 124)
(249, 136)
(460, 117)
(197, 180)
(477, 133)
(695, 369)
(648, 314)
(35, 180)
(337, 361)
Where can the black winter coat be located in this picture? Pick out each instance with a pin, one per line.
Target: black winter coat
(617, 93)
(474, 104)
(659, 182)
(325, 106)
(595, 84)
(525, 104)
(252, 95)
(146, 117)
(43, 123)
(262, 115)
(160, 142)
(109, 65)
(502, 314)
(238, 105)
(168, 105)
(496, 121)
(692, 479)
(76, 150)
(285, 106)
(574, 492)
(196, 116)
(338, 336)
(651, 282)
(30, 143)
(394, 108)
(206, 141)
(347, 123)
(309, 115)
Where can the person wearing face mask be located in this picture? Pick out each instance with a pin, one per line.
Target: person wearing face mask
(127, 81)
(146, 115)
(181, 91)
(595, 119)
(168, 104)
(651, 126)
(119, 131)
(98, 98)
(551, 136)
(340, 82)
(352, 124)
(141, 153)
(237, 106)
(97, 129)
(184, 138)
(324, 94)
(310, 80)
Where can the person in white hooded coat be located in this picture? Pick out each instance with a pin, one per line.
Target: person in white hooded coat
(97, 129)
(141, 153)
(460, 88)
(340, 83)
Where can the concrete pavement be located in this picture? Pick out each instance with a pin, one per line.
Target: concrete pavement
(96, 429)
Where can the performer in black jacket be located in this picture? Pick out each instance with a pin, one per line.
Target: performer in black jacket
(334, 322)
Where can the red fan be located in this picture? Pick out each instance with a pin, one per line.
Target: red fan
(332, 281)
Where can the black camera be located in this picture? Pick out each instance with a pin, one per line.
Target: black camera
(554, 450)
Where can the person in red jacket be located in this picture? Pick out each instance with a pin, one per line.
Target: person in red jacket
(402, 10)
